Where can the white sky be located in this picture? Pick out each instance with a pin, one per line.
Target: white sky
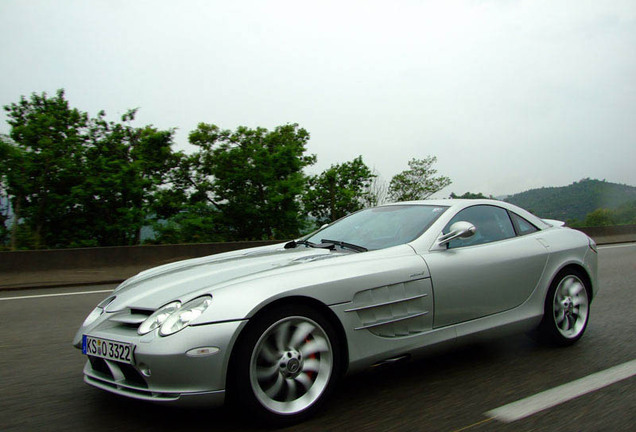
(509, 95)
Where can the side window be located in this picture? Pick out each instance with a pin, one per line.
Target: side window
(523, 226)
(492, 223)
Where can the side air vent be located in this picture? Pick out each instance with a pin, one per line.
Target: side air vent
(396, 310)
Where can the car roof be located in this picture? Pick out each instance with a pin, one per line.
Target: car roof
(459, 203)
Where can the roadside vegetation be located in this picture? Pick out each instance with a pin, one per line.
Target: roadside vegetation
(71, 180)
(587, 202)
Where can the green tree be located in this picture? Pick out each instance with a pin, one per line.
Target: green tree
(250, 178)
(42, 164)
(126, 167)
(600, 217)
(626, 213)
(193, 223)
(76, 181)
(338, 191)
(470, 195)
(418, 182)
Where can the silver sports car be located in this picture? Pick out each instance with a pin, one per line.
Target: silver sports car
(273, 328)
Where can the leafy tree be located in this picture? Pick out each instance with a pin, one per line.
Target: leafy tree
(626, 213)
(338, 191)
(470, 195)
(600, 217)
(126, 166)
(250, 180)
(42, 165)
(196, 223)
(623, 215)
(418, 182)
(76, 181)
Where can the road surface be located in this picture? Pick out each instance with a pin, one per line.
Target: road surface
(42, 389)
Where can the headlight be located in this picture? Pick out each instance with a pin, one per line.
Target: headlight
(156, 319)
(184, 315)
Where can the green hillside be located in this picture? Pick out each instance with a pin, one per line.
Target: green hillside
(575, 201)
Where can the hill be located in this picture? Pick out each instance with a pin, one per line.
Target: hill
(575, 201)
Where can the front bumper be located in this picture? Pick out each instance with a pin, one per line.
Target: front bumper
(162, 371)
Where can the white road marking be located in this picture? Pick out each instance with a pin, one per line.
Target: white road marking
(622, 245)
(549, 398)
(55, 295)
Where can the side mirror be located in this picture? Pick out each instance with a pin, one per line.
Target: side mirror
(457, 230)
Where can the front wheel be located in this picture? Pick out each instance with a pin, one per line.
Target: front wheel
(286, 364)
(567, 309)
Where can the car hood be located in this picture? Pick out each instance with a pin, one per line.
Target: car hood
(187, 279)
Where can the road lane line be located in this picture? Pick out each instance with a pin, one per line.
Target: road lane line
(622, 245)
(465, 428)
(557, 395)
(54, 295)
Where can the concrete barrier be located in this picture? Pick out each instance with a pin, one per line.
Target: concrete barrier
(62, 267)
(117, 256)
(65, 267)
(611, 234)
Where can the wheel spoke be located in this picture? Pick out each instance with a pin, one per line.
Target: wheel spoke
(304, 380)
(559, 316)
(300, 334)
(315, 346)
(264, 373)
(578, 300)
(575, 289)
(269, 354)
(567, 283)
(311, 365)
(281, 336)
(291, 389)
(275, 389)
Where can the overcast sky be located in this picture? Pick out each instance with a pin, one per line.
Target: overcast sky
(509, 95)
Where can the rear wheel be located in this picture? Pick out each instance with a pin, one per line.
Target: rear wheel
(286, 364)
(567, 308)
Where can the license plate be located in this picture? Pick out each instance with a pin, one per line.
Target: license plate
(108, 349)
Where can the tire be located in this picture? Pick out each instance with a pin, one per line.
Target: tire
(567, 309)
(286, 364)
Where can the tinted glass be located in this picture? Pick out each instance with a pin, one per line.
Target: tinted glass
(381, 227)
(492, 223)
(523, 226)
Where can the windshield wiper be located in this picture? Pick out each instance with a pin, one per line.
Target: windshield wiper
(345, 245)
(292, 244)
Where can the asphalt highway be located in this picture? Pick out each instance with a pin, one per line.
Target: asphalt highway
(41, 387)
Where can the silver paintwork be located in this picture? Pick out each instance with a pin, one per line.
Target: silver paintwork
(405, 299)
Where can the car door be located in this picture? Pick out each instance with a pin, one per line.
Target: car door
(494, 270)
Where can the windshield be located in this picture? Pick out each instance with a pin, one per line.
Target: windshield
(381, 227)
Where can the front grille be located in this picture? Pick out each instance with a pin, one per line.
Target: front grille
(99, 365)
(117, 373)
(132, 375)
